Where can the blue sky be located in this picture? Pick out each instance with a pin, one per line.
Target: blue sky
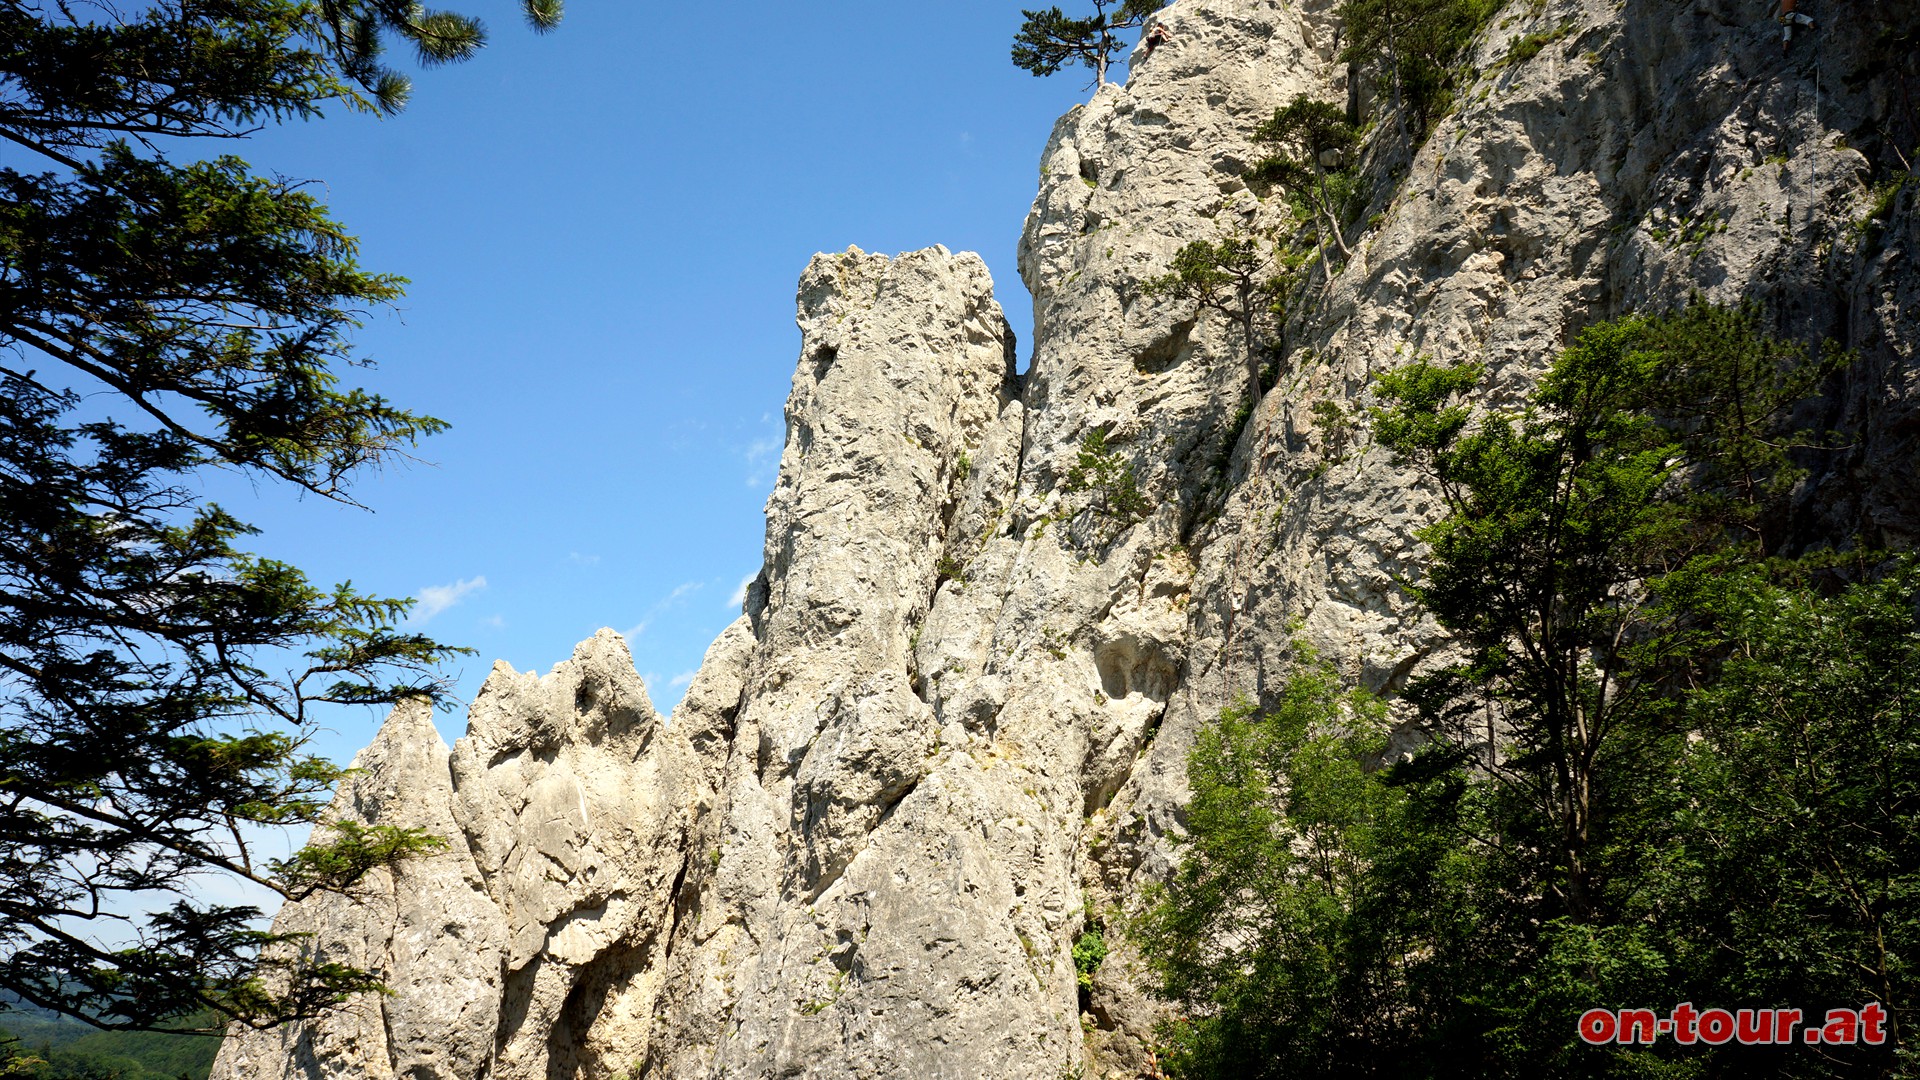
(603, 228)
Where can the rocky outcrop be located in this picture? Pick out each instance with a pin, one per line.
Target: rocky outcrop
(429, 927)
(951, 727)
(566, 808)
(853, 887)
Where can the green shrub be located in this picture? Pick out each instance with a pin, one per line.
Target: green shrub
(1089, 952)
(1108, 477)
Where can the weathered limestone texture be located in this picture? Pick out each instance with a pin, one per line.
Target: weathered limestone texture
(430, 928)
(951, 726)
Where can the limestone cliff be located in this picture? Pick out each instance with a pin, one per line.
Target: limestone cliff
(953, 718)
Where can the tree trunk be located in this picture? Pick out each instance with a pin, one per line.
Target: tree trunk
(1393, 55)
(1326, 208)
(1246, 332)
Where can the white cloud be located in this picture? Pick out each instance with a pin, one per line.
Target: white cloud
(665, 602)
(682, 679)
(763, 456)
(494, 622)
(739, 594)
(578, 559)
(435, 599)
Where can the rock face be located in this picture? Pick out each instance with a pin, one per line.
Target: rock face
(951, 726)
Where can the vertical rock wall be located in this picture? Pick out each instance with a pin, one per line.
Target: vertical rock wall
(951, 725)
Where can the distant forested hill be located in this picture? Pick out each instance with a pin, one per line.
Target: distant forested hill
(53, 1047)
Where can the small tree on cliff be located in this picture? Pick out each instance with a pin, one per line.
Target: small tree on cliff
(1313, 145)
(156, 679)
(1049, 40)
(1415, 43)
(1240, 276)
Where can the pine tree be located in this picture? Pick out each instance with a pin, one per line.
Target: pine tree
(1309, 137)
(1049, 40)
(1240, 276)
(1415, 43)
(157, 681)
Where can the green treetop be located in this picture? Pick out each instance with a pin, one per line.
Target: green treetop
(1650, 444)
(1309, 138)
(1415, 44)
(1665, 765)
(1049, 40)
(156, 679)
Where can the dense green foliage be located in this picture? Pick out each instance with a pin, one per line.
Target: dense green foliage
(159, 319)
(1805, 808)
(1650, 444)
(1089, 952)
(1414, 47)
(1049, 40)
(1287, 928)
(1668, 768)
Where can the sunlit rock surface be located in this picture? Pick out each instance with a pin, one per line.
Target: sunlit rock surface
(954, 716)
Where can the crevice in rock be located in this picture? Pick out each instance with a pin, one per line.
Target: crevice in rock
(889, 804)
(1168, 351)
(516, 998)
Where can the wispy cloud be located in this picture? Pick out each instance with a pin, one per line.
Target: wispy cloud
(763, 456)
(685, 678)
(577, 559)
(679, 593)
(494, 622)
(435, 599)
(739, 594)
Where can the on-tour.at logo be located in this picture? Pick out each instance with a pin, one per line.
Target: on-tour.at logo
(1748, 1027)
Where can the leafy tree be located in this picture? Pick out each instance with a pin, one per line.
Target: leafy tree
(159, 319)
(1802, 802)
(1049, 40)
(1322, 906)
(1651, 442)
(1671, 768)
(1309, 137)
